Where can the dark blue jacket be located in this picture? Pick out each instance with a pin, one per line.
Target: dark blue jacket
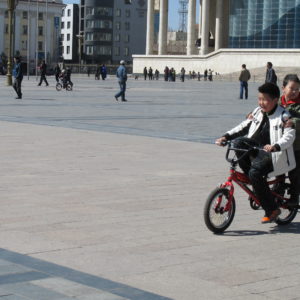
(17, 71)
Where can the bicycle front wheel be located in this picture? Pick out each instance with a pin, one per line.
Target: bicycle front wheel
(58, 86)
(69, 87)
(218, 211)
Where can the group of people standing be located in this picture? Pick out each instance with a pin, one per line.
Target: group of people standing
(101, 71)
(150, 74)
(245, 76)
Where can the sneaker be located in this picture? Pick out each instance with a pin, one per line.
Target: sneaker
(116, 98)
(124, 100)
(273, 216)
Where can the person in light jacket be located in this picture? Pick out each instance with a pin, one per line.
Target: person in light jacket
(122, 78)
(264, 128)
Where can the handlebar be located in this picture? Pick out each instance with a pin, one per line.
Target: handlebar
(230, 148)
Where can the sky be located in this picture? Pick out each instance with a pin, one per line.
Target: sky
(173, 12)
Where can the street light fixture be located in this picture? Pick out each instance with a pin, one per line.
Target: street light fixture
(11, 5)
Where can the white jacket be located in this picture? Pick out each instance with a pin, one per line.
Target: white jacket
(284, 160)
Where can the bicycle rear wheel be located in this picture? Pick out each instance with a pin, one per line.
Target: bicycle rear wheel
(218, 212)
(288, 214)
(69, 87)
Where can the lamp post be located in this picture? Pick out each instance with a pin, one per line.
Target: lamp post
(11, 5)
(80, 43)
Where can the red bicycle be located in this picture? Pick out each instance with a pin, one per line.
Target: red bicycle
(219, 208)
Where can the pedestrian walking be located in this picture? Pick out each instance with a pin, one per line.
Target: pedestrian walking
(103, 72)
(156, 73)
(244, 78)
(270, 74)
(205, 74)
(122, 78)
(43, 70)
(57, 72)
(182, 74)
(199, 76)
(18, 76)
(145, 73)
(150, 73)
(210, 75)
(166, 73)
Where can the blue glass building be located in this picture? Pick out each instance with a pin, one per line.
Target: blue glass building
(264, 24)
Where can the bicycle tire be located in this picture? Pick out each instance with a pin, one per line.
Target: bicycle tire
(288, 214)
(69, 87)
(58, 86)
(218, 221)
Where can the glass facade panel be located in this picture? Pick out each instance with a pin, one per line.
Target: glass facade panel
(264, 24)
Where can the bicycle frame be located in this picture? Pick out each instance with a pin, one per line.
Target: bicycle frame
(242, 180)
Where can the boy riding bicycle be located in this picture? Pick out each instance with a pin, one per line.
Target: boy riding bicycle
(264, 129)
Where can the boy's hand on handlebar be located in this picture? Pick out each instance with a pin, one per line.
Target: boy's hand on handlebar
(221, 141)
(289, 123)
(269, 148)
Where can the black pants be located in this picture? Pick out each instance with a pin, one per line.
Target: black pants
(43, 78)
(257, 164)
(17, 86)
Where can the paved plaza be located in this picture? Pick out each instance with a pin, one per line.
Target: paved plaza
(103, 200)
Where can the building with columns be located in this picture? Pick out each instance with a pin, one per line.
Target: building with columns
(231, 32)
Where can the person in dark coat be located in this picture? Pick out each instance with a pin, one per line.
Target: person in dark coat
(166, 73)
(145, 73)
(57, 72)
(270, 74)
(18, 75)
(43, 70)
(150, 74)
(103, 72)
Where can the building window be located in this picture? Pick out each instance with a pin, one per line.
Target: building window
(89, 36)
(63, 12)
(89, 11)
(118, 12)
(117, 37)
(40, 30)
(24, 45)
(25, 15)
(68, 36)
(25, 31)
(118, 25)
(40, 46)
(6, 28)
(62, 37)
(104, 11)
(68, 49)
(127, 13)
(117, 51)
(126, 51)
(6, 14)
(41, 16)
(69, 25)
(103, 24)
(62, 49)
(69, 12)
(127, 38)
(62, 26)
(89, 50)
(127, 26)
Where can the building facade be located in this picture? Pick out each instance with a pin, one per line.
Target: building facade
(230, 33)
(112, 30)
(36, 31)
(264, 24)
(69, 33)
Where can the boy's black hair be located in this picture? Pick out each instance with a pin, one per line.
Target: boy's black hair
(290, 77)
(270, 89)
(269, 64)
(243, 66)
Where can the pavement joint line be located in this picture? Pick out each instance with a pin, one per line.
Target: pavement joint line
(47, 269)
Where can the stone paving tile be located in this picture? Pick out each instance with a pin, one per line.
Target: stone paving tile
(32, 291)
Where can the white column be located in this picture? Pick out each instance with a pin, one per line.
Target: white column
(205, 27)
(163, 27)
(191, 27)
(219, 24)
(150, 27)
(200, 19)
